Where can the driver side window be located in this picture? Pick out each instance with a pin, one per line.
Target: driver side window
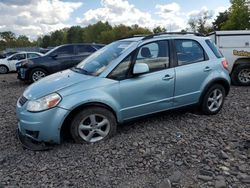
(18, 57)
(155, 55)
(65, 51)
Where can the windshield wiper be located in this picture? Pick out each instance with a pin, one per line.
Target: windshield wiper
(79, 70)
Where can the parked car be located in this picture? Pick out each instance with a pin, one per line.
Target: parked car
(235, 46)
(3, 55)
(57, 59)
(8, 63)
(127, 79)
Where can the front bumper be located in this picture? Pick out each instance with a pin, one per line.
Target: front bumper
(42, 126)
(31, 144)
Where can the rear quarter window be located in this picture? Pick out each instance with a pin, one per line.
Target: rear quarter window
(215, 50)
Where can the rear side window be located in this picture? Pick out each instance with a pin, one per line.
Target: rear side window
(215, 50)
(189, 51)
(32, 55)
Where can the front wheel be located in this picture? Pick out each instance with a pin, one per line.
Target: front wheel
(93, 124)
(213, 100)
(241, 75)
(37, 74)
(3, 69)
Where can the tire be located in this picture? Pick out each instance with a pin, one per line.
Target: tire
(211, 103)
(93, 124)
(241, 75)
(4, 69)
(37, 74)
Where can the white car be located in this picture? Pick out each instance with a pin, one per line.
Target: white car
(8, 64)
(235, 46)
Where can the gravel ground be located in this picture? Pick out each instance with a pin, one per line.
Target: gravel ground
(181, 147)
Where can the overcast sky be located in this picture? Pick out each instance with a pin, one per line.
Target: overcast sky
(38, 17)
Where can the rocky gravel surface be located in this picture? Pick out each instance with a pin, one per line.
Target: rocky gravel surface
(171, 149)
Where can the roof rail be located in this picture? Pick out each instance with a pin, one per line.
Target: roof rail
(132, 36)
(172, 33)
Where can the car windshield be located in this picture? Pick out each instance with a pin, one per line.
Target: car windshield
(50, 51)
(96, 63)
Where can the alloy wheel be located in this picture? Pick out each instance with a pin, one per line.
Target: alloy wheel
(3, 70)
(244, 76)
(37, 75)
(94, 128)
(215, 100)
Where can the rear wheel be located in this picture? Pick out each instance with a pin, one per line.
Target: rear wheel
(213, 100)
(93, 124)
(3, 69)
(241, 75)
(37, 74)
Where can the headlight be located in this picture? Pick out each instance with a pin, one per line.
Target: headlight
(44, 103)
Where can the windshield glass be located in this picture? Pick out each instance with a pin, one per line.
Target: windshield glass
(51, 50)
(96, 63)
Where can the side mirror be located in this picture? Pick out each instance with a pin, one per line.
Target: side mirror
(140, 68)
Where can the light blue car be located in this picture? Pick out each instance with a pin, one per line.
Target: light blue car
(124, 80)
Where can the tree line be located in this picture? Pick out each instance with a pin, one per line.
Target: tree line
(98, 33)
(9, 40)
(235, 18)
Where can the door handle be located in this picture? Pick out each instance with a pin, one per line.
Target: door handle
(167, 77)
(207, 69)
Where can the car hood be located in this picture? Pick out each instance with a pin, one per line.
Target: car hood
(2, 60)
(54, 83)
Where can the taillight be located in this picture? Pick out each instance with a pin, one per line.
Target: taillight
(225, 64)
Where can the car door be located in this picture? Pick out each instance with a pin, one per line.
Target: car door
(82, 51)
(14, 59)
(61, 58)
(150, 92)
(193, 68)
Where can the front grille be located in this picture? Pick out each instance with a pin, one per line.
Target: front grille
(22, 100)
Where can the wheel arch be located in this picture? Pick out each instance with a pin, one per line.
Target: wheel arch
(219, 81)
(240, 61)
(38, 67)
(5, 66)
(65, 128)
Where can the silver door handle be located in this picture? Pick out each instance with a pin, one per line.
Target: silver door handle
(167, 77)
(207, 69)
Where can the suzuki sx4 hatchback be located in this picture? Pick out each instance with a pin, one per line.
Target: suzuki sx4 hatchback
(124, 80)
